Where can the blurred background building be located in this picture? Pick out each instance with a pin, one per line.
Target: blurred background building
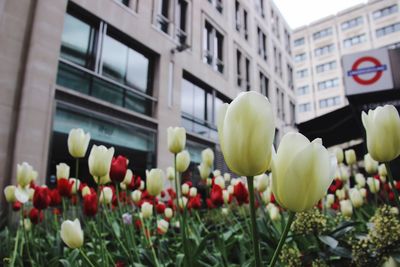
(125, 70)
(319, 47)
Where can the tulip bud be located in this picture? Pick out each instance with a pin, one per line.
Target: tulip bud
(78, 143)
(266, 196)
(155, 181)
(170, 173)
(9, 193)
(339, 155)
(118, 169)
(24, 174)
(382, 170)
(363, 192)
(330, 199)
(147, 210)
(227, 177)
(85, 191)
(373, 185)
(216, 173)
(182, 161)
(75, 185)
(106, 195)
(209, 181)
(350, 156)
(340, 194)
(300, 172)
(219, 180)
(346, 208)
(168, 213)
(193, 192)
(371, 166)
(382, 126)
(128, 177)
(273, 212)
(162, 226)
(185, 189)
(356, 198)
(343, 173)
(204, 171)
(225, 196)
(127, 218)
(62, 171)
(182, 202)
(225, 211)
(100, 160)
(176, 139)
(27, 224)
(230, 189)
(122, 186)
(22, 194)
(360, 180)
(72, 234)
(262, 182)
(136, 196)
(141, 187)
(207, 156)
(247, 127)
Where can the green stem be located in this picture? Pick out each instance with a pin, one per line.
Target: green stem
(176, 186)
(391, 181)
(86, 257)
(15, 248)
(283, 238)
(253, 225)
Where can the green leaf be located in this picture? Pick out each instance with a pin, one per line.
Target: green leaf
(64, 263)
(330, 241)
(203, 244)
(341, 251)
(117, 229)
(73, 255)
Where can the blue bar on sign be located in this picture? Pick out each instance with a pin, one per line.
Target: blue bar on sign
(366, 70)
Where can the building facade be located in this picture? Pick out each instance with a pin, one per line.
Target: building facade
(318, 48)
(125, 70)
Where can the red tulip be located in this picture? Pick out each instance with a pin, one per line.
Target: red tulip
(90, 205)
(16, 206)
(216, 195)
(64, 187)
(41, 198)
(195, 202)
(118, 169)
(36, 216)
(241, 194)
(135, 183)
(55, 197)
(160, 207)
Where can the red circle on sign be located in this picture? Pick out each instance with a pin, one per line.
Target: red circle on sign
(377, 75)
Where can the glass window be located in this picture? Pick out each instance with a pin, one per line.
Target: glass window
(299, 41)
(115, 57)
(138, 66)
(77, 41)
(199, 103)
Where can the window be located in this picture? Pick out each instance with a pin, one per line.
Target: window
(302, 73)
(275, 24)
(262, 44)
(264, 83)
(213, 47)
(260, 7)
(181, 21)
(278, 61)
(163, 16)
(393, 46)
(292, 107)
(124, 2)
(355, 40)
(280, 104)
(305, 107)
(388, 30)
(326, 66)
(300, 57)
(329, 102)
(385, 11)
(217, 5)
(199, 107)
(290, 76)
(303, 90)
(120, 74)
(287, 42)
(299, 41)
(352, 23)
(331, 83)
(241, 20)
(322, 33)
(324, 50)
(242, 71)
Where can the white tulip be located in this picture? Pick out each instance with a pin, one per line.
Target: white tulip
(100, 160)
(78, 143)
(72, 234)
(62, 171)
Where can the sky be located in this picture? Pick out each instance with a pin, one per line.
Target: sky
(302, 12)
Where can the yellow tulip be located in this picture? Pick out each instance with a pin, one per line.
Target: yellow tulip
(382, 126)
(100, 160)
(9, 193)
(155, 181)
(176, 139)
(182, 161)
(301, 172)
(207, 156)
(350, 156)
(246, 130)
(72, 234)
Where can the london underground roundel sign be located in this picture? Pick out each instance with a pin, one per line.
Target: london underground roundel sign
(367, 66)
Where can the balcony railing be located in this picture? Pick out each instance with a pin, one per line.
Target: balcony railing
(199, 127)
